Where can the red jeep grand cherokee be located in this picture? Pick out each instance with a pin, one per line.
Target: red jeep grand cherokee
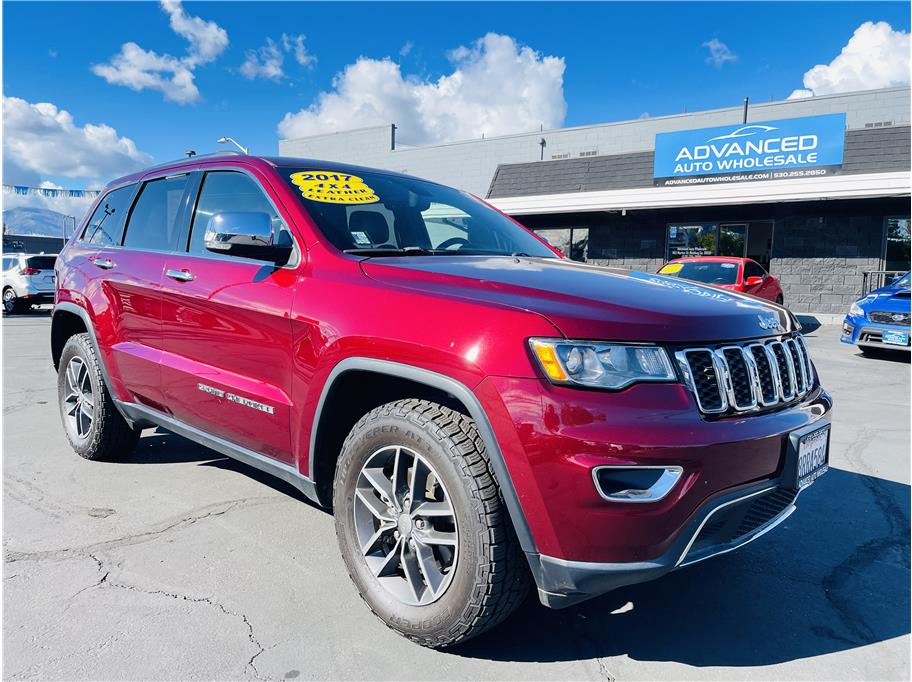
(478, 411)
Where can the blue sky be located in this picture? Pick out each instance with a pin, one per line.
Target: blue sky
(620, 61)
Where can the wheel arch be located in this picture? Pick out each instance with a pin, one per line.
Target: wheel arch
(392, 378)
(67, 320)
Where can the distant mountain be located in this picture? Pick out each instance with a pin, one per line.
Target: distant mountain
(41, 222)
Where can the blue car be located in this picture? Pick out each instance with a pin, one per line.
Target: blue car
(880, 320)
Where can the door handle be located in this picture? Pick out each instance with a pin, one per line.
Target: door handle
(103, 263)
(180, 275)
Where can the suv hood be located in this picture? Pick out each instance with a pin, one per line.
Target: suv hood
(590, 302)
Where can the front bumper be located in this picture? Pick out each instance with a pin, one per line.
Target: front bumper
(860, 331)
(728, 522)
(553, 437)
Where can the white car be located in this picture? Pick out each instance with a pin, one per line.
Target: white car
(27, 280)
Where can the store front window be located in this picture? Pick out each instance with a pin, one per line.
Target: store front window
(573, 242)
(896, 244)
(751, 240)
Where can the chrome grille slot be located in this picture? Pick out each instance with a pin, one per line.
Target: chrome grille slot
(703, 374)
(747, 377)
(740, 384)
(798, 363)
(785, 369)
(808, 368)
(769, 393)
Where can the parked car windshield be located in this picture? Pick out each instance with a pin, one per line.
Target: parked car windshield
(903, 281)
(376, 213)
(707, 272)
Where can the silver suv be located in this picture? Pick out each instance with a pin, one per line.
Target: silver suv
(27, 280)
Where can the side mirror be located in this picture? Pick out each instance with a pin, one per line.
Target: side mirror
(247, 235)
(753, 281)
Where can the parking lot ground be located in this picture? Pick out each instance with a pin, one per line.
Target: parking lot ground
(181, 564)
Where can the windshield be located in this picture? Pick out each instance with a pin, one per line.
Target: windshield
(902, 281)
(376, 213)
(707, 272)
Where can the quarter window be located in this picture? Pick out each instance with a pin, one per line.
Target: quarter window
(154, 220)
(105, 227)
(228, 191)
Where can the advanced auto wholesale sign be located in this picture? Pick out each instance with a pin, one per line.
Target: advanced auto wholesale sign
(771, 150)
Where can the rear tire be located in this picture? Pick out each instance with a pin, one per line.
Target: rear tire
(11, 304)
(434, 593)
(94, 427)
(780, 300)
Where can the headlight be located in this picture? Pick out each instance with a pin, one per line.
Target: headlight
(601, 365)
(856, 310)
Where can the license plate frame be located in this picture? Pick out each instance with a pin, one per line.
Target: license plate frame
(808, 455)
(895, 338)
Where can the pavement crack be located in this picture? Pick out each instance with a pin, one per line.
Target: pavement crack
(251, 633)
(209, 511)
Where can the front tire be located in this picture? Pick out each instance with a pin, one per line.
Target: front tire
(94, 427)
(422, 525)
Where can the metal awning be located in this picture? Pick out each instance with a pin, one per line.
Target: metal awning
(856, 186)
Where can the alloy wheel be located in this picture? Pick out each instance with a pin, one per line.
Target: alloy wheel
(79, 401)
(9, 301)
(405, 525)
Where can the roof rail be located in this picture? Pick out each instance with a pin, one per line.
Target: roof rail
(193, 158)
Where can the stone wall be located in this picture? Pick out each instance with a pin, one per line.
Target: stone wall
(820, 249)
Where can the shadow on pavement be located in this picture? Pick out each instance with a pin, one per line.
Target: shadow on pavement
(161, 447)
(835, 576)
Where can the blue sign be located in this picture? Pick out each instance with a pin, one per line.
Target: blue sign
(770, 150)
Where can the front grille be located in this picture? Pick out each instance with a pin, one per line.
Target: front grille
(886, 317)
(734, 522)
(743, 377)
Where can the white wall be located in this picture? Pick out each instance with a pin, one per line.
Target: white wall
(470, 164)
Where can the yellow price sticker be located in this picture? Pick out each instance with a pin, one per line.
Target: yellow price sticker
(671, 268)
(333, 188)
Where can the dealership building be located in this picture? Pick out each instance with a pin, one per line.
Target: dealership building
(816, 189)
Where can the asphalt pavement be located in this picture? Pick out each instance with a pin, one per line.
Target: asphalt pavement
(181, 564)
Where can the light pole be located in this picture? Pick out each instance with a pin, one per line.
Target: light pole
(225, 140)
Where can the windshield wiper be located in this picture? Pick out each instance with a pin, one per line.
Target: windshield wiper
(390, 251)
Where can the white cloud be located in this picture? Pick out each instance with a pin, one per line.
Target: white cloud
(268, 61)
(264, 62)
(140, 69)
(301, 55)
(801, 93)
(207, 39)
(496, 87)
(719, 53)
(876, 56)
(41, 140)
(406, 48)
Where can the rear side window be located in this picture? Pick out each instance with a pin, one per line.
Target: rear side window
(105, 227)
(154, 220)
(41, 262)
(228, 191)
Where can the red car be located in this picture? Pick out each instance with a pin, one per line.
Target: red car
(737, 274)
(479, 413)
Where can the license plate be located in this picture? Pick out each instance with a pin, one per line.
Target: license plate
(896, 338)
(813, 456)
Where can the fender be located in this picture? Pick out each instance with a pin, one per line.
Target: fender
(83, 314)
(464, 395)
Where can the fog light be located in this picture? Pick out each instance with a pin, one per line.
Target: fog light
(635, 484)
(847, 329)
